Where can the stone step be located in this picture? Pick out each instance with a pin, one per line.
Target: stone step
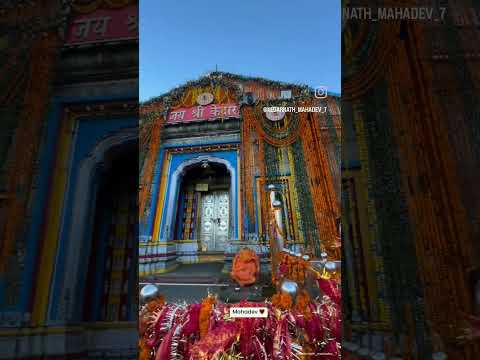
(187, 279)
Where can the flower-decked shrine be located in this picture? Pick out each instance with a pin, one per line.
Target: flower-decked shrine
(211, 158)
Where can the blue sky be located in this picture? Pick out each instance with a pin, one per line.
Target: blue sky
(293, 41)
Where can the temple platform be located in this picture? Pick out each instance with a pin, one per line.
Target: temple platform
(193, 282)
(204, 273)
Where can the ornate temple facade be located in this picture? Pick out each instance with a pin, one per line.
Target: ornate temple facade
(69, 180)
(410, 199)
(210, 154)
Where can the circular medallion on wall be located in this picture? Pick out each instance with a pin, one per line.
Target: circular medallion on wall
(205, 98)
(275, 116)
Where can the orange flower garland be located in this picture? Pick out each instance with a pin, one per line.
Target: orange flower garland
(20, 173)
(147, 311)
(248, 163)
(293, 268)
(282, 301)
(155, 304)
(205, 311)
(144, 352)
(302, 305)
(322, 185)
(150, 139)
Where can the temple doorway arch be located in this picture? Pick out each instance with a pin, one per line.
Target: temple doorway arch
(92, 169)
(183, 168)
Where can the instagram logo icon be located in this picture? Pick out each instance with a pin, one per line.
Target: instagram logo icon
(321, 92)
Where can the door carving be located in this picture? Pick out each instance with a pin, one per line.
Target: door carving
(214, 221)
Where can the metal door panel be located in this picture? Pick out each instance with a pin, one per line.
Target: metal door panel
(214, 220)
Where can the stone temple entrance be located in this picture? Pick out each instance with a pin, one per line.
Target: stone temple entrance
(204, 208)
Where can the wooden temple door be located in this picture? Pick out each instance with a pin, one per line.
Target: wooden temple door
(214, 221)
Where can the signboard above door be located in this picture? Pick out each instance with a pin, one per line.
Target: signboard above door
(202, 113)
(201, 187)
(104, 25)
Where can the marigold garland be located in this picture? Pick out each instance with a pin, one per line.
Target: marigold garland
(205, 312)
(19, 175)
(293, 268)
(282, 301)
(144, 321)
(302, 305)
(154, 129)
(321, 182)
(291, 133)
(144, 351)
(221, 96)
(155, 304)
(248, 161)
(265, 212)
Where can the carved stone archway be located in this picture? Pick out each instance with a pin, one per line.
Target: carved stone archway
(176, 178)
(78, 239)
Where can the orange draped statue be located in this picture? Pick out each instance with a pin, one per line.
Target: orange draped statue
(246, 267)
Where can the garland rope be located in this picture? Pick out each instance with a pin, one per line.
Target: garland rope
(321, 184)
(151, 134)
(248, 163)
(27, 141)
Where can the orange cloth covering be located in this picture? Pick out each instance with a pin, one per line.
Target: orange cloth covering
(246, 267)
